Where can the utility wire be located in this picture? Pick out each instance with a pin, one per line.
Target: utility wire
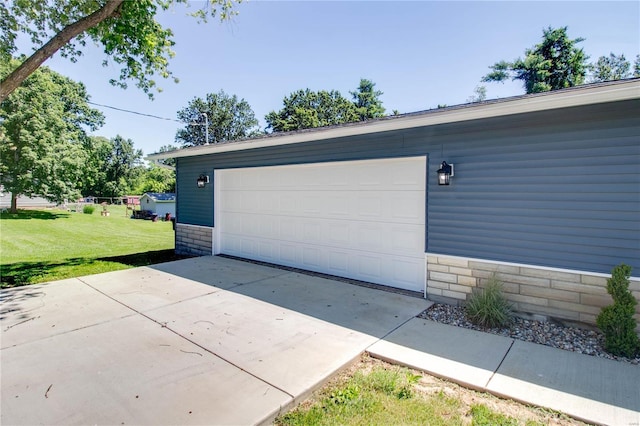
(140, 113)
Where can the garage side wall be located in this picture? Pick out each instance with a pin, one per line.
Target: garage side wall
(556, 189)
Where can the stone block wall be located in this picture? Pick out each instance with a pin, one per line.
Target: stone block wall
(562, 294)
(194, 240)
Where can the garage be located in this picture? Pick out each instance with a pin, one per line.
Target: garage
(356, 219)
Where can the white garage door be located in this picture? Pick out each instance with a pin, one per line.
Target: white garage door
(355, 219)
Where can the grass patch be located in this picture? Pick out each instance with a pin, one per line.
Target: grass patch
(484, 416)
(38, 246)
(381, 396)
(375, 392)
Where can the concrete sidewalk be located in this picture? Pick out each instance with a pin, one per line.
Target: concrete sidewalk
(595, 390)
(212, 340)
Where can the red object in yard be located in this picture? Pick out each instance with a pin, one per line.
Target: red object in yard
(131, 200)
(167, 216)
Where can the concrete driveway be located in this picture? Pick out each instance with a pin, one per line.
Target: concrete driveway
(206, 340)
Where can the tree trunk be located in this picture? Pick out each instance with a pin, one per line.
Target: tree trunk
(14, 203)
(13, 80)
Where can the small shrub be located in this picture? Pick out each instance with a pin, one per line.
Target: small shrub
(88, 209)
(489, 307)
(616, 321)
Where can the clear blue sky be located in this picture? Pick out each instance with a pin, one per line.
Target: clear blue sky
(420, 54)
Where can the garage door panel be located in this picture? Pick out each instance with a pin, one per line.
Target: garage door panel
(359, 219)
(338, 205)
(337, 262)
(339, 234)
(267, 203)
(406, 273)
(404, 239)
(312, 232)
(286, 254)
(404, 207)
(289, 204)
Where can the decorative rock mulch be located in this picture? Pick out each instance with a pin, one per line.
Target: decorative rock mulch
(588, 342)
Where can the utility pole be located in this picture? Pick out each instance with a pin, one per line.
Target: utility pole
(206, 128)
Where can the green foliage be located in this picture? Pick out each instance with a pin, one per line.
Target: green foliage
(122, 166)
(484, 416)
(306, 109)
(489, 307)
(610, 67)
(555, 63)
(130, 35)
(367, 100)
(479, 94)
(616, 321)
(156, 179)
(42, 135)
(113, 167)
(229, 119)
(345, 395)
(96, 149)
(88, 209)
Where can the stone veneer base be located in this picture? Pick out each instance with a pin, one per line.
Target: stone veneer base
(574, 296)
(194, 240)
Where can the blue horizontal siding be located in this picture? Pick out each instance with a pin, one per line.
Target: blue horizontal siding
(558, 189)
(194, 206)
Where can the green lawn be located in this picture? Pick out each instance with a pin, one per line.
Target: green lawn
(45, 245)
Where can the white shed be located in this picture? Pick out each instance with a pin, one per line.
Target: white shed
(159, 203)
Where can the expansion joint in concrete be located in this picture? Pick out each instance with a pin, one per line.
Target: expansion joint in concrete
(165, 326)
(486, 385)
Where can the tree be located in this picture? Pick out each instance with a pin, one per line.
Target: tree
(610, 67)
(113, 167)
(94, 179)
(554, 64)
(636, 67)
(123, 167)
(479, 94)
(42, 131)
(367, 100)
(156, 179)
(171, 162)
(228, 119)
(127, 30)
(306, 109)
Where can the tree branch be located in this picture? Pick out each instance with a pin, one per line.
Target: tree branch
(15, 78)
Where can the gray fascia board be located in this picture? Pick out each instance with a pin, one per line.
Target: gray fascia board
(577, 96)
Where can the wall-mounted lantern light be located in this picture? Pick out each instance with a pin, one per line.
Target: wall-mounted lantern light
(445, 172)
(202, 180)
